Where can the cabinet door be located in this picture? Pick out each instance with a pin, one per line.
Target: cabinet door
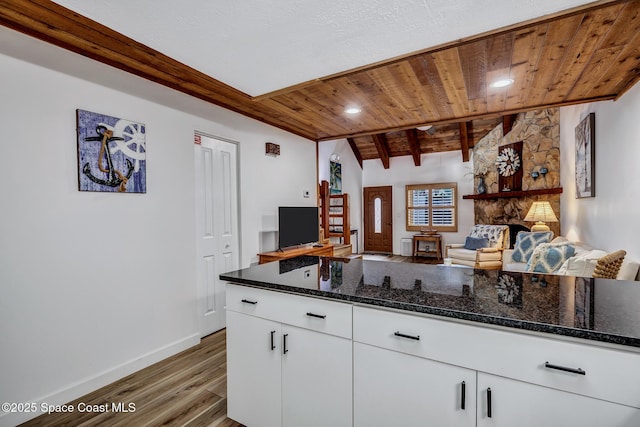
(516, 403)
(316, 379)
(397, 389)
(253, 370)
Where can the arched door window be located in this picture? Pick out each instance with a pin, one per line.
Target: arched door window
(377, 215)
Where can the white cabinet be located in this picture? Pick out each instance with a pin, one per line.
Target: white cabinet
(529, 376)
(302, 361)
(396, 389)
(316, 379)
(279, 374)
(253, 366)
(516, 403)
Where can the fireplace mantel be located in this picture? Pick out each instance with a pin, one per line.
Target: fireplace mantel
(506, 194)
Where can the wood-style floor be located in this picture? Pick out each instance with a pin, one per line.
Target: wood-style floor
(188, 389)
(400, 258)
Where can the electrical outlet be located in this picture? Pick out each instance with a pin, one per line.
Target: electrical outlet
(305, 194)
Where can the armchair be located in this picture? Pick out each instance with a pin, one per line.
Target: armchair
(483, 247)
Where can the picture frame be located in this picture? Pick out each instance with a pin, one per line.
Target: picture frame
(510, 167)
(335, 178)
(111, 154)
(586, 157)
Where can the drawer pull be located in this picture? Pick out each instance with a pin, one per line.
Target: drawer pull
(319, 316)
(249, 301)
(273, 344)
(285, 350)
(489, 402)
(464, 395)
(565, 369)
(412, 337)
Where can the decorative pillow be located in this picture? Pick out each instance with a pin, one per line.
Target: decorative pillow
(549, 257)
(582, 264)
(495, 234)
(474, 243)
(526, 242)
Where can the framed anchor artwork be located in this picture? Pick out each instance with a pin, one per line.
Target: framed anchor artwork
(111, 154)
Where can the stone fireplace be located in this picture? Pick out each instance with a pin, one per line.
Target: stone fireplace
(539, 132)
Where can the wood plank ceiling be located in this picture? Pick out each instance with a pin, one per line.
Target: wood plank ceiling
(591, 53)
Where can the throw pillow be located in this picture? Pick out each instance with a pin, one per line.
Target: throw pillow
(582, 264)
(549, 257)
(474, 243)
(526, 242)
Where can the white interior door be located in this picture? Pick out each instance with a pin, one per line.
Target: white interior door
(217, 242)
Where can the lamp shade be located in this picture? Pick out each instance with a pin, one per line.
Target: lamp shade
(541, 212)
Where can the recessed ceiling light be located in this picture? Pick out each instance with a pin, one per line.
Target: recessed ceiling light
(352, 110)
(501, 83)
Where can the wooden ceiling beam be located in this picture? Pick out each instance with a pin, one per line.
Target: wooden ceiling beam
(507, 123)
(380, 140)
(414, 145)
(464, 140)
(355, 150)
(471, 137)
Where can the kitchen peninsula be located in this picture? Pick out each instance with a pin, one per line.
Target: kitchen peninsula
(319, 341)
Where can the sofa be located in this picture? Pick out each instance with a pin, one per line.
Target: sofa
(536, 253)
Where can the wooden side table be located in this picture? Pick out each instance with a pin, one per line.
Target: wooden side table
(435, 238)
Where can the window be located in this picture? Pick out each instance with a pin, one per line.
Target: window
(432, 206)
(377, 207)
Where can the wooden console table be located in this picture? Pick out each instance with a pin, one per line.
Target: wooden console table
(435, 238)
(325, 250)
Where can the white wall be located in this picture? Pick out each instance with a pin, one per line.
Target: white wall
(608, 221)
(351, 180)
(434, 168)
(95, 286)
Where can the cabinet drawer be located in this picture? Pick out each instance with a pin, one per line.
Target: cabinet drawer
(609, 374)
(316, 314)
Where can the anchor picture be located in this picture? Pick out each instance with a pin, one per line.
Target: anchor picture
(111, 154)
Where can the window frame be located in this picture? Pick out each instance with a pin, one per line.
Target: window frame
(430, 208)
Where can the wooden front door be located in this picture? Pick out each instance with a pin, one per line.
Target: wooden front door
(378, 220)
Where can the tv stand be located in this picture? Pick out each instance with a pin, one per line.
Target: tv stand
(280, 254)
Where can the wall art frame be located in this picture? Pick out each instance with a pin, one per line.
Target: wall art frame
(111, 154)
(586, 157)
(509, 166)
(335, 178)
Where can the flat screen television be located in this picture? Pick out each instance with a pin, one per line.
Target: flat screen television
(297, 225)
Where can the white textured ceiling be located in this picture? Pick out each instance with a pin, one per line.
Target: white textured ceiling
(259, 46)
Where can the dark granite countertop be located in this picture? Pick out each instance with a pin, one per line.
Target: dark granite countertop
(593, 309)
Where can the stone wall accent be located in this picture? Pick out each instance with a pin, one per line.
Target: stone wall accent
(513, 210)
(540, 133)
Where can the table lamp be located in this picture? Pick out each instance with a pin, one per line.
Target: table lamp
(541, 212)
